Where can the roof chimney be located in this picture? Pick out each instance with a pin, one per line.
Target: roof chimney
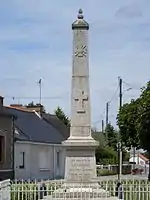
(1, 101)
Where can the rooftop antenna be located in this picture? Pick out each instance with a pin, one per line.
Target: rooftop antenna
(40, 97)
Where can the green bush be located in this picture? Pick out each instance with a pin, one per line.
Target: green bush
(105, 172)
(106, 155)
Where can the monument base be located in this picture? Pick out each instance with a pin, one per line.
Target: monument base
(81, 194)
(80, 172)
(80, 163)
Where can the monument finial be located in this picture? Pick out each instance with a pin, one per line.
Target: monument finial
(80, 14)
(80, 23)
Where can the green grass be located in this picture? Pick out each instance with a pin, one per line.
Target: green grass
(133, 190)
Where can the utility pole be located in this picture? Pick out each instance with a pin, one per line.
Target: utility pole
(119, 142)
(107, 110)
(120, 92)
(102, 126)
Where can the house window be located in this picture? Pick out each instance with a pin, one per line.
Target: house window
(1, 148)
(44, 162)
(58, 161)
(22, 160)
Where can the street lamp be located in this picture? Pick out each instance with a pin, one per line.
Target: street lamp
(119, 161)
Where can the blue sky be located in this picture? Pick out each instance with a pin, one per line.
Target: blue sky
(36, 42)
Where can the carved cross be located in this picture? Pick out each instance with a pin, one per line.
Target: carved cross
(81, 99)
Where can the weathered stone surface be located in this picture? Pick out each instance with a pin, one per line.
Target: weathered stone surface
(80, 166)
(81, 194)
(5, 190)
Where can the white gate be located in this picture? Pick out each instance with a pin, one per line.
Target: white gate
(5, 190)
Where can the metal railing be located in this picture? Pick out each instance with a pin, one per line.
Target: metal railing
(36, 190)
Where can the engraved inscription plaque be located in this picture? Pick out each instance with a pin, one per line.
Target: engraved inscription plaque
(81, 168)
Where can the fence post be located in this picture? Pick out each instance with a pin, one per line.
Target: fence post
(43, 191)
(119, 191)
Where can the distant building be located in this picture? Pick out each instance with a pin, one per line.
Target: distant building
(6, 143)
(139, 159)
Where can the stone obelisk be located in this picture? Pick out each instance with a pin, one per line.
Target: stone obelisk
(80, 164)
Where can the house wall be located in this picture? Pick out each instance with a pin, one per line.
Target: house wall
(35, 155)
(137, 160)
(6, 166)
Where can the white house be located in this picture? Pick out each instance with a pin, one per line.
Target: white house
(139, 159)
(38, 150)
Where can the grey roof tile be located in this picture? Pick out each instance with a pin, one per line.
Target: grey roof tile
(34, 128)
(54, 121)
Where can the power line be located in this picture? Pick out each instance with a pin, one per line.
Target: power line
(111, 100)
(127, 84)
(46, 97)
(130, 85)
(101, 116)
(114, 95)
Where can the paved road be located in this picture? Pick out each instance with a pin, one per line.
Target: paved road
(125, 177)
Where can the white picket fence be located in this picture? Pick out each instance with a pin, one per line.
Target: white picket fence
(36, 190)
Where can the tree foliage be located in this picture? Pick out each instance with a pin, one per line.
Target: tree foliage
(106, 155)
(106, 152)
(127, 122)
(62, 116)
(143, 122)
(111, 136)
(134, 122)
(100, 137)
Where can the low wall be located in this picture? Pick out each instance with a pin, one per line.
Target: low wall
(5, 190)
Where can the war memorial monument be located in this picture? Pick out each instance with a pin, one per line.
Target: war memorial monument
(80, 165)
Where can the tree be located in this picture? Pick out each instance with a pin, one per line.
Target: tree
(111, 136)
(99, 136)
(106, 155)
(134, 122)
(143, 122)
(62, 116)
(127, 122)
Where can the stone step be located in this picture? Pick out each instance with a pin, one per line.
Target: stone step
(80, 198)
